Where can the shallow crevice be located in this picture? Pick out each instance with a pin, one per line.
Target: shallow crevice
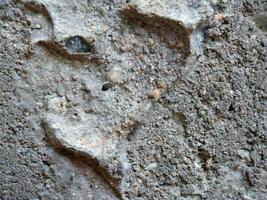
(72, 48)
(95, 164)
(57, 48)
(171, 32)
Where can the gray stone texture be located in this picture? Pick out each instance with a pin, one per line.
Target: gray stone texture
(140, 99)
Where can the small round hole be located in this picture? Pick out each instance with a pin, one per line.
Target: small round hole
(106, 86)
(231, 108)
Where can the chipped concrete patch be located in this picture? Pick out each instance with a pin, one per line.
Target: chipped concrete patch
(97, 135)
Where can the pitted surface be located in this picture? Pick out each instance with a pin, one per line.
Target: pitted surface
(133, 99)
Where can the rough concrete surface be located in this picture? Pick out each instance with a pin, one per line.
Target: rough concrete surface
(133, 99)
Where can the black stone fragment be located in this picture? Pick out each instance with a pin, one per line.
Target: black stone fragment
(77, 44)
(106, 86)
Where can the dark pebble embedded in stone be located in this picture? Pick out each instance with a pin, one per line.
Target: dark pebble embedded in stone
(107, 86)
(77, 44)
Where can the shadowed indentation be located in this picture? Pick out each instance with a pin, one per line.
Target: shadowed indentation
(73, 48)
(179, 118)
(261, 21)
(39, 8)
(171, 32)
(97, 164)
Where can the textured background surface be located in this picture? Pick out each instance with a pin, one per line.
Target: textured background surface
(180, 107)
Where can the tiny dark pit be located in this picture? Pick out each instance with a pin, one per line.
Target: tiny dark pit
(231, 108)
(77, 44)
(106, 86)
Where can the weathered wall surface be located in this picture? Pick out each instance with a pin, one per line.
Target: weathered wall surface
(133, 99)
